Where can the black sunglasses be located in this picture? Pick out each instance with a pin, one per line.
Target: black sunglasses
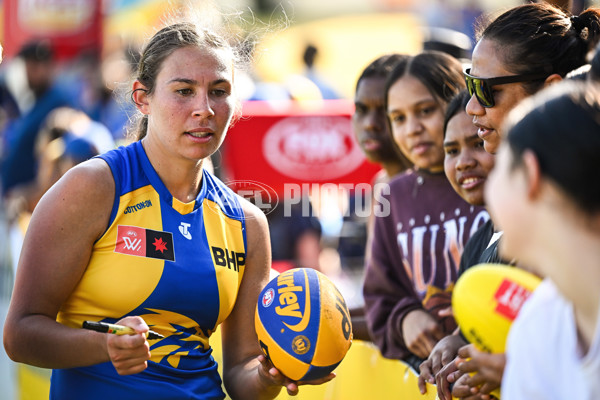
(482, 87)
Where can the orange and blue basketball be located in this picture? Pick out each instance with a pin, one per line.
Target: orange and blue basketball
(303, 324)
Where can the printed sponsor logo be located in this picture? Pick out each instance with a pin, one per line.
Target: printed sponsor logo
(300, 344)
(476, 338)
(288, 300)
(137, 241)
(230, 259)
(268, 297)
(510, 296)
(307, 148)
(139, 206)
(183, 229)
(340, 305)
(133, 245)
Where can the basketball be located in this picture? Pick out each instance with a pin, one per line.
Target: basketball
(303, 324)
(486, 300)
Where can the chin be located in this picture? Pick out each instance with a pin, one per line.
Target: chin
(424, 162)
(491, 146)
(475, 200)
(372, 157)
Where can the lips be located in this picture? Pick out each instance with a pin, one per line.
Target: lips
(421, 148)
(483, 131)
(200, 135)
(470, 182)
(370, 144)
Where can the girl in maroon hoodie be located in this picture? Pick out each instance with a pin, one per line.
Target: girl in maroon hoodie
(421, 223)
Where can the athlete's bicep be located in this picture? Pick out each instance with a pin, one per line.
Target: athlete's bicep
(59, 239)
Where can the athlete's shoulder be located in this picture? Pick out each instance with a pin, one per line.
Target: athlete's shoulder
(224, 197)
(123, 157)
(85, 192)
(120, 152)
(251, 211)
(130, 167)
(92, 176)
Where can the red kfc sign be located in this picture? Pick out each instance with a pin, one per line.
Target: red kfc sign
(289, 144)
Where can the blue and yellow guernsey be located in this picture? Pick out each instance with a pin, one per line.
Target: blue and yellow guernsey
(178, 266)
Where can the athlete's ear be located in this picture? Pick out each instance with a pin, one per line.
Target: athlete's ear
(532, 173)
(139, 96)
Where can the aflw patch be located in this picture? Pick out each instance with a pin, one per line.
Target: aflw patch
(141, 242)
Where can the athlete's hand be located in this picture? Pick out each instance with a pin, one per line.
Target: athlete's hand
(274, 377)
(421, 332)
(129, 354)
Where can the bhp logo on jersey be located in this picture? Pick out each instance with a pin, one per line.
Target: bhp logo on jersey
(141, 242)
(230, 259)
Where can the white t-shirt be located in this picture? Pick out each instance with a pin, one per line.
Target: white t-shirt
(544, 360)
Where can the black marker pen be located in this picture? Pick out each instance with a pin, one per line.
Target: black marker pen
(116, 329)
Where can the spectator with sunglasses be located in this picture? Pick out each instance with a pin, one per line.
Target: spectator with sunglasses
(523, 50)
(416, 245)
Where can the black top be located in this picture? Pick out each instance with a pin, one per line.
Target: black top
(477, 250)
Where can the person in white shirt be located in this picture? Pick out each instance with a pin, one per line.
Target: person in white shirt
(543, 193)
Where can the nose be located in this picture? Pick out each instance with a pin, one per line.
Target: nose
(473, 107)
(373, 120)
(202, 106)
(413, 126)
(465, 161)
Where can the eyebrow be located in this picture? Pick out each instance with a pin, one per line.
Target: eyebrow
(425, 101)
(183, 80)
(418, 104)
(451, 143)
(361, 104)
(473, 137)
(467, 139)
(195, 82)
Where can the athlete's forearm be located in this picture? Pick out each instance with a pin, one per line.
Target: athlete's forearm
(245, 381)
(42, 342)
